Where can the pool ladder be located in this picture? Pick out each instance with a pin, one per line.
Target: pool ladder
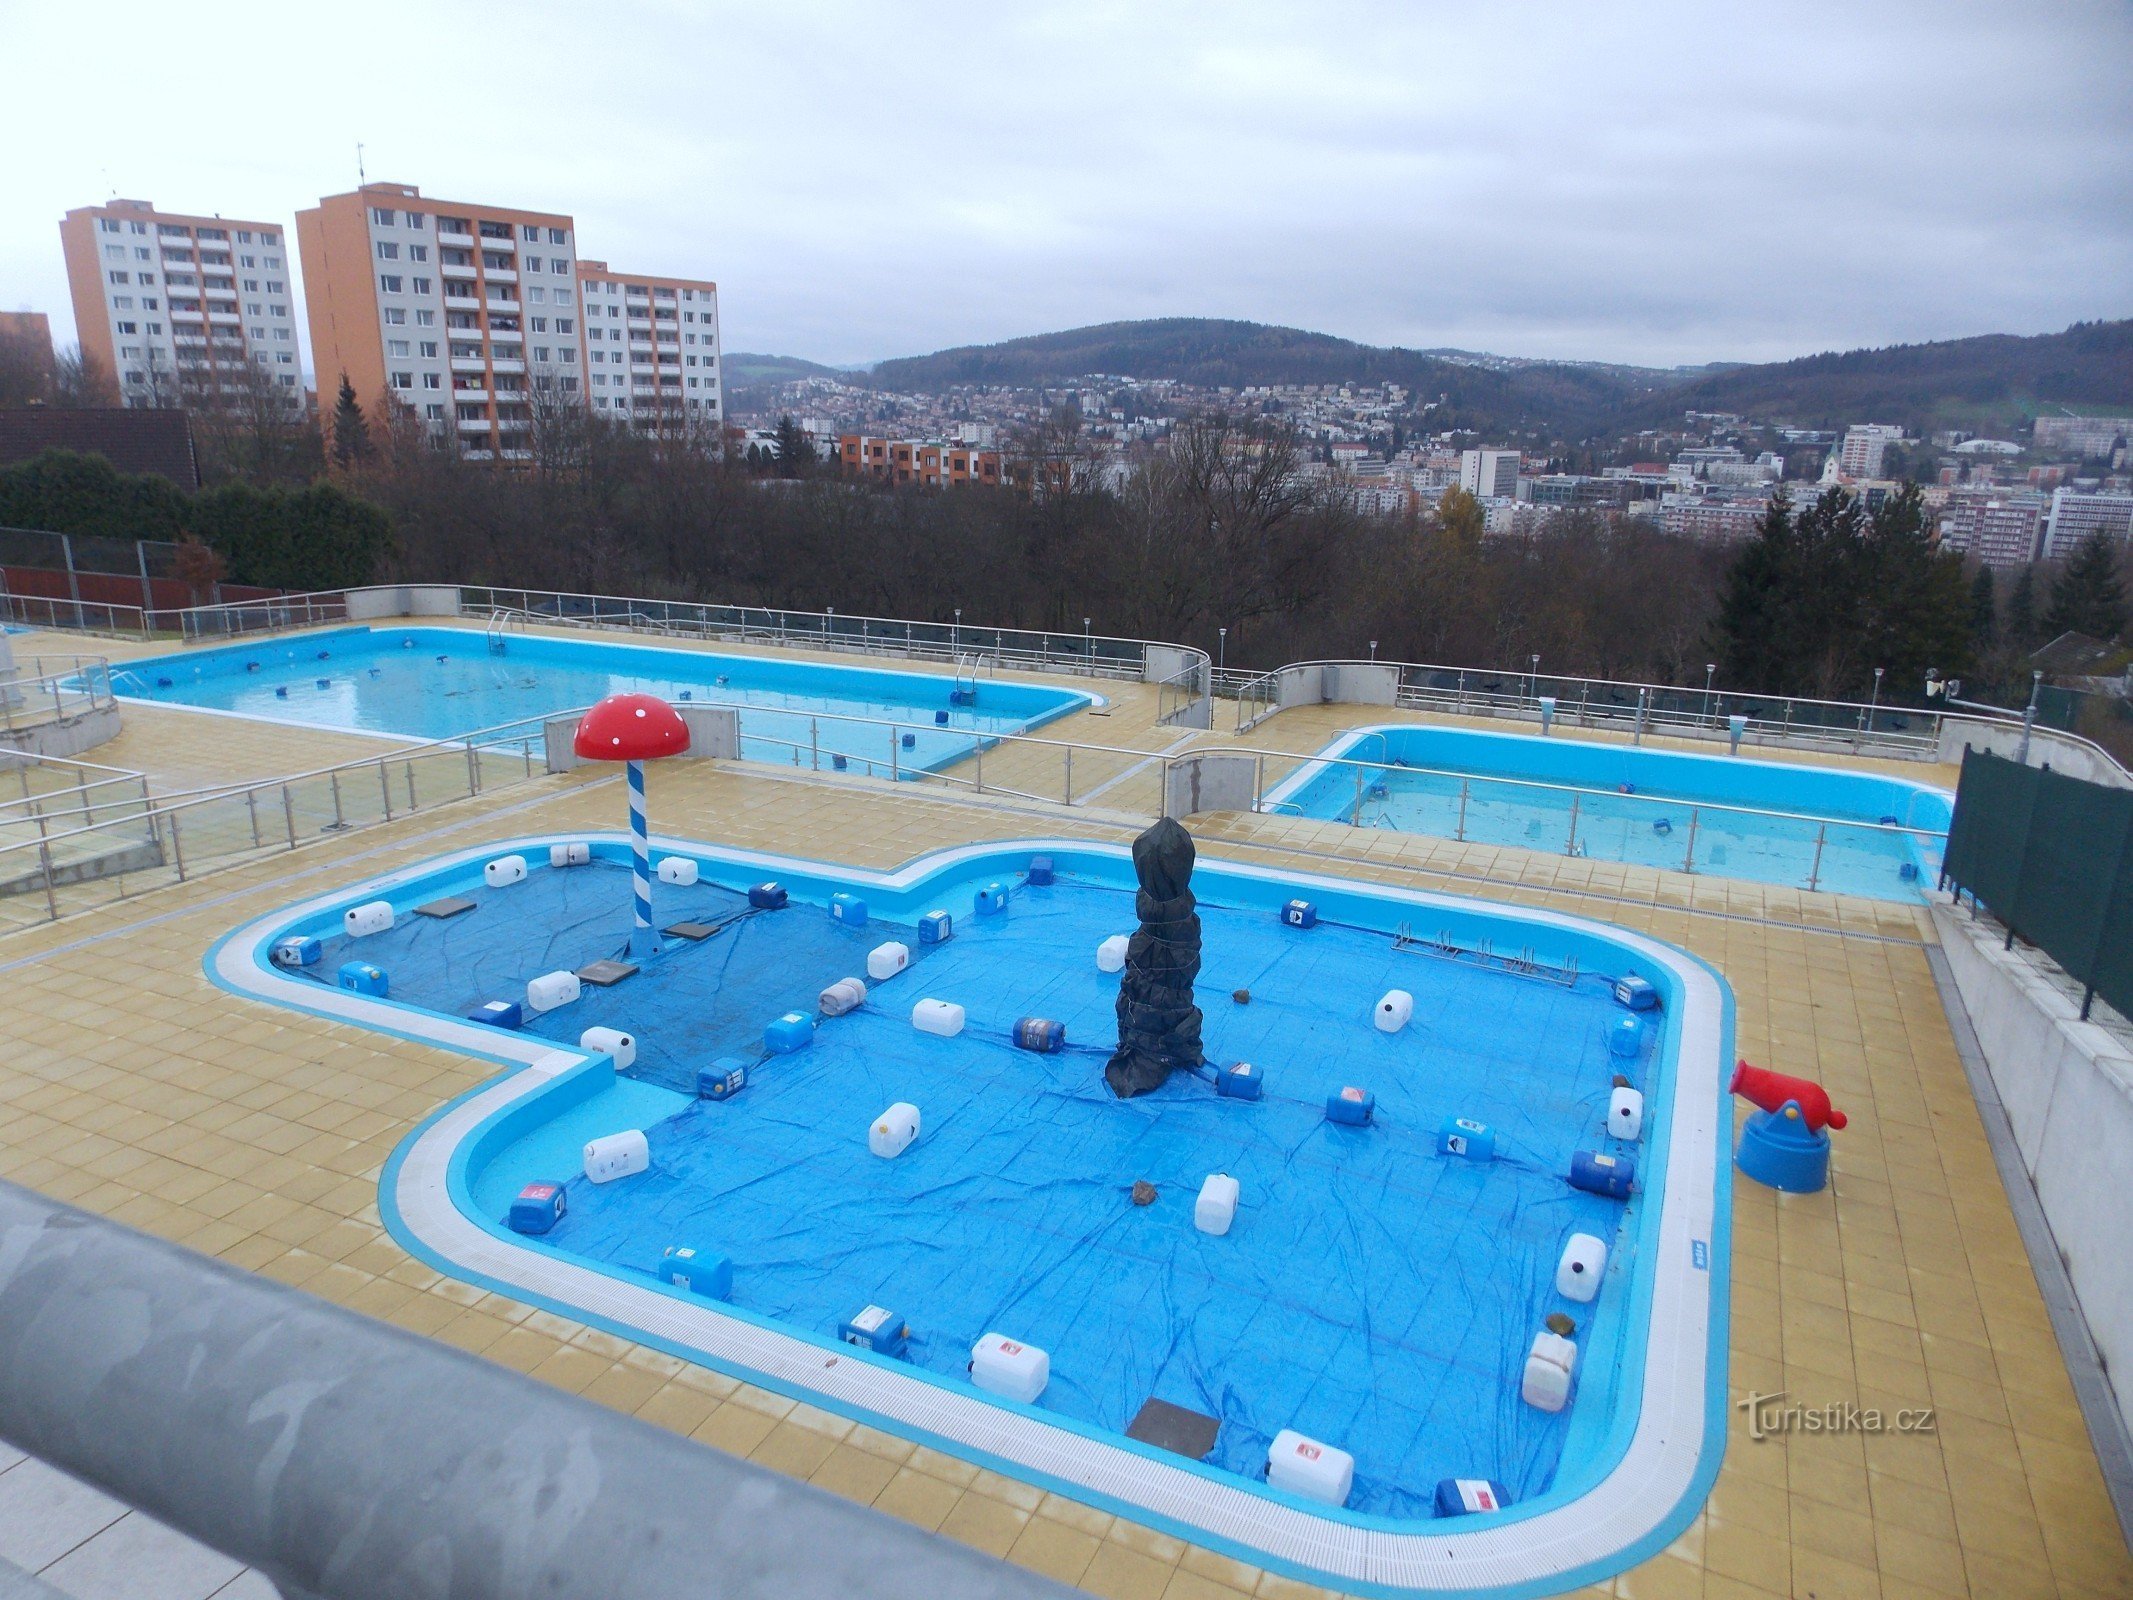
(967, 668)
(1524, 964)
(501, 620)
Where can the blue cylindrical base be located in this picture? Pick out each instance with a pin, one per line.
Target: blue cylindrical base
(1777, 1149)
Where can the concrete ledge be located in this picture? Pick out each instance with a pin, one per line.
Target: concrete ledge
(714, 735)
(2067, 1087)
(65, 736)
(1210, 782)
(2048, 747)
(403, 600)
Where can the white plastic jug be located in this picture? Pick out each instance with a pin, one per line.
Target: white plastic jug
(679, 870)
(893, 1130)
(1111, 954)
(846, 994)
(887, 960)
(941, 1017)
(504, 870)
(569, 855)
(1000, 1365)
(552, 989)
(1216, 1208)
(617, 1155)
(611, 1042)
(1549, 1366)
(1584, 1264)
(374, 916)
(1394, 1007)
(1625, 1114)
(1308, 1467)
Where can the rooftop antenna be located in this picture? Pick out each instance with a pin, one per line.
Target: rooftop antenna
(361, 177)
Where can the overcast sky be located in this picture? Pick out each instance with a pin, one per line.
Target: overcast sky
(1641, 182)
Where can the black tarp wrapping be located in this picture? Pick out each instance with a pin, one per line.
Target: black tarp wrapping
(1158, 1024)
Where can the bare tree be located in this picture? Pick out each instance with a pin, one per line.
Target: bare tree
(81, 380)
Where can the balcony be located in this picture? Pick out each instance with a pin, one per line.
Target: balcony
(470, 396)
(473, 424)
(461, 295)
(469, 364)
(506, 364)
(501, 274)
(464, 241)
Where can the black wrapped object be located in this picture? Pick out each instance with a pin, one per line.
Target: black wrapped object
(1158, 1024)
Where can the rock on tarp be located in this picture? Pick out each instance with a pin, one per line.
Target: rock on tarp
(1158, 1024)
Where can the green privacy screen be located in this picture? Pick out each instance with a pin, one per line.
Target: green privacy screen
(2052, 857)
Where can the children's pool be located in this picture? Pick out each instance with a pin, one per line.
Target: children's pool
(1374, 1293)
(442, 683)
(1806, 827)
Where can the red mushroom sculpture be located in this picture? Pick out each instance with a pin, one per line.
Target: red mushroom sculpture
(634, 728)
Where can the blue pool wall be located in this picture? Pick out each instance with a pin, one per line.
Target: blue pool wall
(1600, 1434)
(1721, 780)
(1030, 703)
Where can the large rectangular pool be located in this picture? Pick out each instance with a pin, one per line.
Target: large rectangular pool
(1807, 827)
(445, 683)
(1375, 1292)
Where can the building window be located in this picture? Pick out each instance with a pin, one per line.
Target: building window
(422, 286)
(395, 317)
(277, 311)
(396, 347)
(414, 221)
(569, 355)
(382, 216)
(536, 295)
(403, 380)
(282, 334)
(418, 252)
(130, 327)
(562, 297)
(120, 277)
(434, 413)
(559, 266)
(428, 348)
(533, 263)
(283, 358)
(425, 319)
(274, 286)
(107, 224)
(391, 283)
(122, 302)
(556, 236)
(431, 380)
(388, 250)
(531, 234)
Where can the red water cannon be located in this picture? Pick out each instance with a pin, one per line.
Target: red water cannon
(1770, 1091)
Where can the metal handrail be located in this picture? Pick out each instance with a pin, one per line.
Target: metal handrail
(84, 680)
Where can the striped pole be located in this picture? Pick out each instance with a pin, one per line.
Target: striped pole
(643, 941)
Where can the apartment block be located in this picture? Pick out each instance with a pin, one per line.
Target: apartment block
(172, 304)
(2074, 517)
(651, 346)
(461, 313)
(1489, 474)
(926, 462)
(1860, 456)
(26, 346)
(2001, 529)
(2086, 436)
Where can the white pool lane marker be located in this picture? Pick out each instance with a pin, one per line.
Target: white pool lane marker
(1644, 1500)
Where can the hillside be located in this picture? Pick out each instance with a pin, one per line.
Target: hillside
(1994, 382)
(1550, 395)
(744, 368)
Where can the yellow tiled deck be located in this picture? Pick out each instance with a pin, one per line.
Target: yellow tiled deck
(139, 1090)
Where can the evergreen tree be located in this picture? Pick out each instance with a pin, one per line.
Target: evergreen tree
(351, 433)
(2022, 610)
(796, 451)
(1751, 630)
(2088, 596)
(1984, 610)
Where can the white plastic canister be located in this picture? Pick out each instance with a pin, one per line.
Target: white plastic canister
(504, 870)
(1004, 1366)
(569, 855)
(374, 916)
(1584, 1264)
(1549, 1366)
(942, 1017)
(1625, 1114)
(893, 1130)
(1111, 954)
(887, 960)
(611, 1042)
(552, 989)
(1308, 1467)
(678, 870)
(617, 1155)
(846, 994)
(1216, 1208)
(1394, 1007)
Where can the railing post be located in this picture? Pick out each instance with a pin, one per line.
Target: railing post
(385, 789)
(1814, 872)
(411, 783)
(473, 774)
(1355, 816)
(333, 781)
(981, 766)
(177, 846)
(814, 743)
(894, 775)
(1069, 796)
(251, 806)
(51, 894)
(1258, 783)
(1688, 862)
(288, 812)
(1571, 848)
(1460, 832)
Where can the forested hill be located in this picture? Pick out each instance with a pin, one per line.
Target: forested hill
(1993, 382)
(1212, 353)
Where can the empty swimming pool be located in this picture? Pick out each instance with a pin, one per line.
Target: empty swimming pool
(1807, 827)
(444, 683)
(1375, 1292)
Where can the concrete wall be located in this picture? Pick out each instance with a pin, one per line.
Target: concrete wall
(2076, 758)
(2067, 1086)
(1210, 782)
(67, 737)
(1300, 686)
(1161, 661)
(1362, 684)
(403, 600)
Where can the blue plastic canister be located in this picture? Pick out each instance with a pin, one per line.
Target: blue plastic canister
(1636, 993)
(878, 1329)
(1460, 1497)
(936, 927)
(1240, 1082)
(498, 1014)
(910, 741)
(848, 909)
(1351, 1106)
(1040, 1034)
(839, 761)
(940, 719)
(992, 899)
(1610, 1176)
(1463, 1136)
(703, 1272)
(1040, 871)
(363, 978)
(1626, 1037)
(791, 1032)
(297, 951)
(721, 1080)
(538, 1207)
(1300, 914)
(767, 897)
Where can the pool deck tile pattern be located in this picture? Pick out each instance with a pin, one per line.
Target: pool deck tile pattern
(138, 1090)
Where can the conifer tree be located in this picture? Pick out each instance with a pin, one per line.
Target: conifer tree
(2088, 596)
(351, 433)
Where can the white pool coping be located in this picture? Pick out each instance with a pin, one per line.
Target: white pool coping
(1639, 1505)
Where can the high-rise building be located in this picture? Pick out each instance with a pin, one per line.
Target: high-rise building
(2001, 528)
(2075, 516)
(1489, 474)
(2084, 436)
(174, 305)
(474, 317)
(26, 359)
(1860, 455)
(651, 346)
